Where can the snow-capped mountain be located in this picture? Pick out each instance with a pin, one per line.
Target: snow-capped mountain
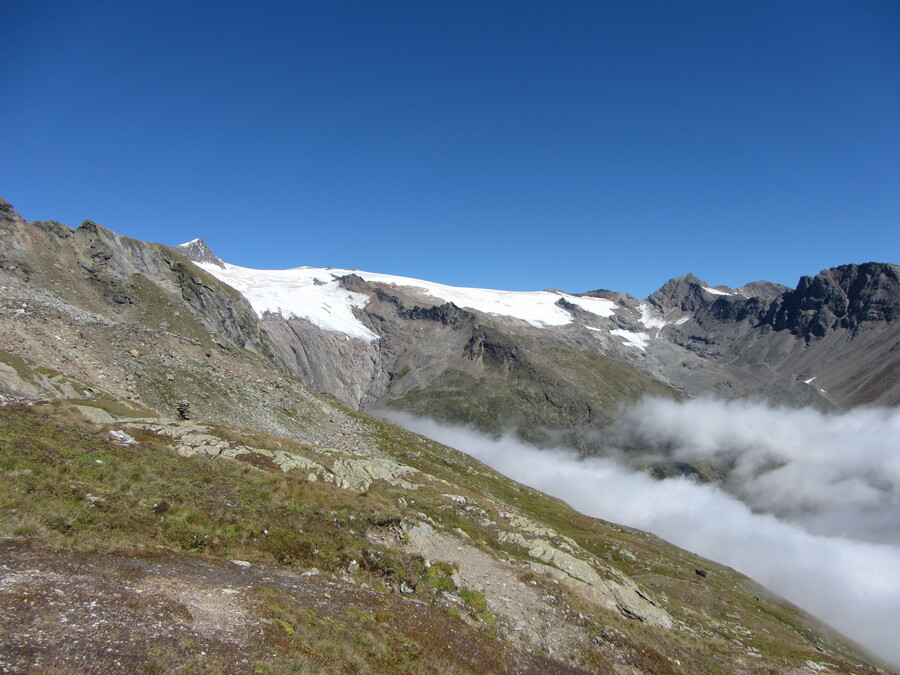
(320, 296)
(828, 343)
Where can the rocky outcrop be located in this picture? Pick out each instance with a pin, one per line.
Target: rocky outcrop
(836, 329)
(498, 350)
(842, 298)
(616, 591)
(198, 252)
(597, 583)
(118, 276)
(358, 473)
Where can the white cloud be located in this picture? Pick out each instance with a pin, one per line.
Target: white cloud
(834, 473)
(853, 585)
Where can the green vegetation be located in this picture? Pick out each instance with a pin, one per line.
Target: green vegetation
(390, 639)
(533, 387)
(74, 488)
(438, 576)
(473, 599)
(64, 484)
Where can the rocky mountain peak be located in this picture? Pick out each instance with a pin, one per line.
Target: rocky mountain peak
(840, 297)
(684, 293)
(617, 297)
(872, 289)
(198, 252)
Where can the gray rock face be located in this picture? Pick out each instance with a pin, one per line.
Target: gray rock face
(416, 345)
(113, 275)
(837, 327)
(683, 293)
(198, 252)
(843, 298)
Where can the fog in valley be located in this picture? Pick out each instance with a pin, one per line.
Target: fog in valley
(817, 520)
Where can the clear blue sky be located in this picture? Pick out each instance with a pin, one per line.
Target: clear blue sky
(518, 145)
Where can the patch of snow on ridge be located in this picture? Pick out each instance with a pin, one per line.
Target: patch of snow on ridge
(632, 339)
(311, 294)
(538, 308)
(715, 291)
(599, 306)
(651, 317)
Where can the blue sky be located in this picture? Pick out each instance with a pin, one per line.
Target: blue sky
(518, 145)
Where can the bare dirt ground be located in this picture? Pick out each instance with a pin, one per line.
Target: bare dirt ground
(68, 612)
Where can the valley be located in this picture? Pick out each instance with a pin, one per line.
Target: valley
(198, 460)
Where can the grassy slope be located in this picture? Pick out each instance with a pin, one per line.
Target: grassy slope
(55, 467)
(155, 502)
(533, 387)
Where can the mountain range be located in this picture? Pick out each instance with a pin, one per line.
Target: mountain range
(831, 342)
(187, 445)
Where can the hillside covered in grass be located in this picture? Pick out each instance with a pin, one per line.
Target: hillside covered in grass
(173, 498)
(219, 546)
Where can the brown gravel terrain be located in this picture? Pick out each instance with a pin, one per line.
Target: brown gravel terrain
(170, 613)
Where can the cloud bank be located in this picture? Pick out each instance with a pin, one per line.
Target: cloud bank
(851, 584)
(835, 474)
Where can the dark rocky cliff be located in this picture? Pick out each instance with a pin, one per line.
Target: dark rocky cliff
(840, 298)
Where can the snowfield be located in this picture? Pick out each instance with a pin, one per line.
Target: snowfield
(632, 339)
(651, 317)
(599, 306)
(315, 294)
(304, 293)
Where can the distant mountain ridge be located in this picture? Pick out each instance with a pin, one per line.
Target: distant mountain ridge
(837, 327)
(844, 297)
(762, 339)
(534, 361)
